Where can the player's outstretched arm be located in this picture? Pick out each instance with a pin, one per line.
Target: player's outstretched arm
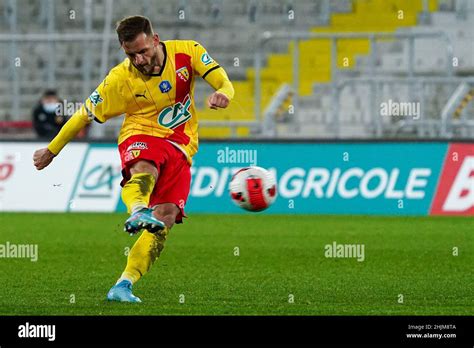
(214, 75)
(43, 157)
(224, 90)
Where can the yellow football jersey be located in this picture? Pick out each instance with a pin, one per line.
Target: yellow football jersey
(161, 104)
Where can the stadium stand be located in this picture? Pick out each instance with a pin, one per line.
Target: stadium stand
(323, 105)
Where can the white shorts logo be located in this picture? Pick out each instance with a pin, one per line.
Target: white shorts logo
(138, 145)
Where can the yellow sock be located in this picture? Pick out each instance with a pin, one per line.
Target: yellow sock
(143, 253)
(136, 192)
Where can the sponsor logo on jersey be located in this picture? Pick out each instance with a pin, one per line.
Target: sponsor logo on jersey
(176, 115)
(138, 145)
(95, 98)
(206, 59)
(165, 86)
(183, 73)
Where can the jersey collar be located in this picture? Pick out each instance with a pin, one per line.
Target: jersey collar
(164, 60)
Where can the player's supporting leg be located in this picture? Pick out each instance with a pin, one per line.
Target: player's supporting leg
(149, 246)
(143, 254)
(136, 196)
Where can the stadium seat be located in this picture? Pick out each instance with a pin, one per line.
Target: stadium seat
(234, 37)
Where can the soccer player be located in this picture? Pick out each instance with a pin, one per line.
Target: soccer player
(154, 88)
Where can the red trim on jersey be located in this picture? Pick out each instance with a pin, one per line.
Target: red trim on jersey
(183, 88)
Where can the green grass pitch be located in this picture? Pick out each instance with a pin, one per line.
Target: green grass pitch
(281, 258)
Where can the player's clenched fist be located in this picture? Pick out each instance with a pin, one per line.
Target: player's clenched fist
(217, 100)
(42, 158)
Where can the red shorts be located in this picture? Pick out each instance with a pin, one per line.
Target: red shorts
(174, 171)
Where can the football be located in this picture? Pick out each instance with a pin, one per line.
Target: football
(253, 188)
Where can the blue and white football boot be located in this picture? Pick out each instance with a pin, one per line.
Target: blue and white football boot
(122, 292)
(143, 219)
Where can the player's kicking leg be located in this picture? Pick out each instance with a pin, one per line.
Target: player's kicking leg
(136, 196)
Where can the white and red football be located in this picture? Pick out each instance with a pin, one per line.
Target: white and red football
(253, 188)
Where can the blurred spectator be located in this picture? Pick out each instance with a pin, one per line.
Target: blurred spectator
(46, 120)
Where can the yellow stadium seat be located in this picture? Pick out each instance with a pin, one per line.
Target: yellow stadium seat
(315, 58)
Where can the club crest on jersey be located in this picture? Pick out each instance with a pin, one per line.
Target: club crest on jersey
(132, 154)
(165, 86)
(183, 73)
(95, 98)
(206, 58)
(176, 115)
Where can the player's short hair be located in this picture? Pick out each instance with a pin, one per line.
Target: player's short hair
(129, 28)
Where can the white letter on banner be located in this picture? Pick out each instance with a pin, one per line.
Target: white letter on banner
(333, 183)
(297, 184)
(364, 183)
(316, 185)
(456, 201)
(221, 186)
(202, 173)
(415, 182)
(392, 182)
(341, 188)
